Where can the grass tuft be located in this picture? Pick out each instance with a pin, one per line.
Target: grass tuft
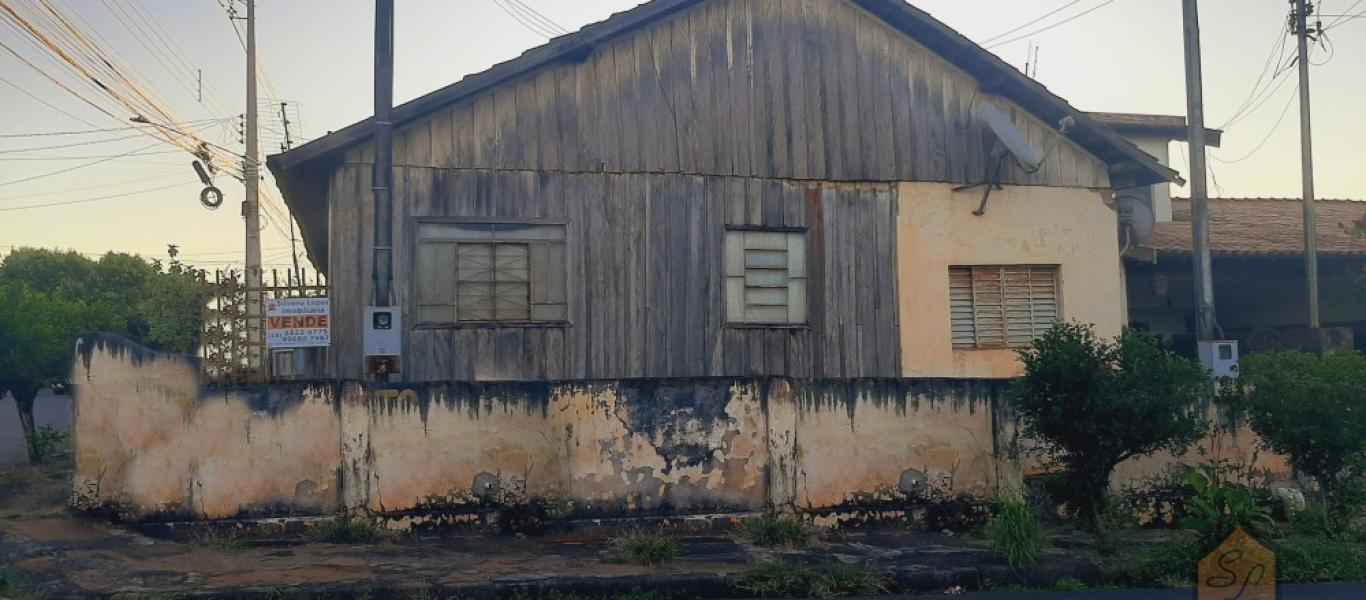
(848, 580)
(647, 548)
(1015, 532)
(342, 531)
(776, 531)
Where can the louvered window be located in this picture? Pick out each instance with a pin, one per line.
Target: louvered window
(491, 273)
(1002, 306)
(765, 277)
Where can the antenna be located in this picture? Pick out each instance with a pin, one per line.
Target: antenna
(1014, 140)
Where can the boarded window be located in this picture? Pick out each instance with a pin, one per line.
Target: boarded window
(491, 272)
(765, 277)
(1002, 306)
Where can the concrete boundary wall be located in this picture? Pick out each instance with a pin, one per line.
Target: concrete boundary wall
(151, 443)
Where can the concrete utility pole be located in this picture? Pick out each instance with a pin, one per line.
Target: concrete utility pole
(251, 210)
(1195, 117)
(1311, 242)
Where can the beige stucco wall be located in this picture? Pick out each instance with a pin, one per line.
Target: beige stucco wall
(1070, 227)
(148, 439)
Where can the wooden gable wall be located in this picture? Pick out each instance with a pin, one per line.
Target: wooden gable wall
(785, 113)
(799, 89)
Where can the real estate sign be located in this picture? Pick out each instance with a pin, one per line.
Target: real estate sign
(298, 322)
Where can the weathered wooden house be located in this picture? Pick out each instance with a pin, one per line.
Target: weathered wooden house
(703, 256)
(714, 188)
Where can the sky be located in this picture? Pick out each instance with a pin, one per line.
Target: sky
(315, 55)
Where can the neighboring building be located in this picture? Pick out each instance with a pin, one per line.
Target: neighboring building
(724, 188)
(1260, 297)
(1154, 134)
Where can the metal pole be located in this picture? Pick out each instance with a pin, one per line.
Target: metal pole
(383, 259)
(251, 207)
(1311, 242)
(1195, 117)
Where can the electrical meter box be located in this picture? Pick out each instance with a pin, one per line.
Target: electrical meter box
(1220, 357)
(383, 338)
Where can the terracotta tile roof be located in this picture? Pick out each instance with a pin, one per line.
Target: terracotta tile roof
(1269, 226)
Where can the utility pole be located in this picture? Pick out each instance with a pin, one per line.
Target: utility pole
(1195, 135)
(1311, 242)
(383, 259)
(251, 211)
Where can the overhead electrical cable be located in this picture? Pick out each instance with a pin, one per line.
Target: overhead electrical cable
(1274, 127)
(1057, 24)
(1028, 23)
(95, 199)
(99, 186)
(80, 166)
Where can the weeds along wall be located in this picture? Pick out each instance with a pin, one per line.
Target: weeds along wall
(152, 444)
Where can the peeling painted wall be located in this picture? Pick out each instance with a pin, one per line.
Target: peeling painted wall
(1023, 225)
(152, 444)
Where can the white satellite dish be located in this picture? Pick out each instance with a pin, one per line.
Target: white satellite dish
(1014, 140)
(1136, 220)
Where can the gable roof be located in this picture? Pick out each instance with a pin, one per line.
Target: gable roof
(1264, 226)
(1127, 164)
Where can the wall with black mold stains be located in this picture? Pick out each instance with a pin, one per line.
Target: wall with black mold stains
(152, 444)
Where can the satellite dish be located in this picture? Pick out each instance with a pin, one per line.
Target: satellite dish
(1014, 140)
(1135, 220)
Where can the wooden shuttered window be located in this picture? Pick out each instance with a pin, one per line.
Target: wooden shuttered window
(765, 277)
(491, 273)
(1002, 306)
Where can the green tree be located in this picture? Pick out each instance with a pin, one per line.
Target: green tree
(1093, 404)
(36, 332)
(48, 297)
(1312, 409)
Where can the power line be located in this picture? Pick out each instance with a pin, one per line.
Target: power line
(152, 153)
(95, 199)
(97, 186)
(211, 121)
(1027, 24)
(80, 166)
(1264, 139)
(536, 15)
(1058, 24)
(521, 19)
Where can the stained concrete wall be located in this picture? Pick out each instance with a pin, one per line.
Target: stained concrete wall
(1073, 228)
(150, 443)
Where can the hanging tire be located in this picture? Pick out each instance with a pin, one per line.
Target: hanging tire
(211, 197)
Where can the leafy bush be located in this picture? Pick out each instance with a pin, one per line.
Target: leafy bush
(1015, 533)
(1216, 507)
(1093, 404)
(1310, 408)
(647, 548)
(52, 442)
(1316, 559)
(776, 531)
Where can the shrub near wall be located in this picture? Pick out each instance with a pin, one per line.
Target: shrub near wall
(1311, 408)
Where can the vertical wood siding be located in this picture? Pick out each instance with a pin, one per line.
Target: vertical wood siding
(646, 276)
(796, 89)
(790, 113)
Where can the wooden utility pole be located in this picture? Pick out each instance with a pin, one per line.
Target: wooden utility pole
(1195, 118)
(293, 239)
(1311, 242)
(251, 211)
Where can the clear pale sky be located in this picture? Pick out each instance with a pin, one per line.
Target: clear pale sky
(1125, 56)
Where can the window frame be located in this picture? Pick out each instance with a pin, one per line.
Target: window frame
(417, 240)
(1056, 271)
(725, 277)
